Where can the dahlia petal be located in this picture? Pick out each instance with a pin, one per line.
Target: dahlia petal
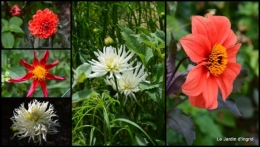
(45, 57)
(196, 46)
(26, 65)
(222, 25)
(50, 66)
(225, 85)
(32, 88)
(232, 70)
(44, 88)
(208, 98)
(53, 77)
(205, 27)
(232, 51)
(27, 76)
(195, 81)
(35, 60)
(197, 101)
(226, 79)
(210, 93)
(97, 74)
(230, 40)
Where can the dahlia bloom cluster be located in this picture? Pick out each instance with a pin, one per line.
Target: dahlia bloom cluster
(117, 64)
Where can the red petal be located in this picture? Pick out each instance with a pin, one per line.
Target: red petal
(232, 52)
(53, 77)
(44, 88)
(208, 98)
(27, 76)
(196, 46)
(197, 101)
(210, 93)
(232, 70)
(226, 79)
(45, 58)
(222, 25)
(225, 85)
(205, 27)
(231, 40)
(26, 65)
(195, 81)
(35, 61)
(32, 88)
(49, 66)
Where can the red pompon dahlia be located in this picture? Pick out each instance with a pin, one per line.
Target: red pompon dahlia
(15, 10)
(212, 45)
(39, 72)
(44, 24)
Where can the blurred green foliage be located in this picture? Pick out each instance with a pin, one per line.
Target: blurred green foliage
(10, 63)
(221, 123)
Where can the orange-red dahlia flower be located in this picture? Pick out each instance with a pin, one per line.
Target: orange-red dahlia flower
(44, 24)
(39, 72)
(15, 10)
(212, 45)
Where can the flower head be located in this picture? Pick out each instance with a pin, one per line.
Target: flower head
(35, 122)
(129, 80)
(111, 61)
(15, 10)
(212, 45)
(39, 72)
(44, 24)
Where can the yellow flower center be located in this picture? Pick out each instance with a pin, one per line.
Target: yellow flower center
(33, 116)
(109, 62)
(217, 61)
(39, 73)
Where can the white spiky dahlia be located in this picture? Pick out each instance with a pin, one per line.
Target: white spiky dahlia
(111, 61)
(36, 122)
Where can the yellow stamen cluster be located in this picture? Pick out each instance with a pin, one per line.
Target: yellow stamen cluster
(39, 73)
(217, 60)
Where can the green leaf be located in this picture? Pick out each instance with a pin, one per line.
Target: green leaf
(16, 29)
(4, 22)
(17, 71)
(82, 95)
(225, 117)
(159, 35)
(140, 140)
(145, 31)
(84, 68)
(207, 126)
(60, 85)
(146, 86)
(148, 54)
(16, 21)
(134, 124)
(5, 29)
(149, 44)
(178, 121)
(7, 40)
(17, 42)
